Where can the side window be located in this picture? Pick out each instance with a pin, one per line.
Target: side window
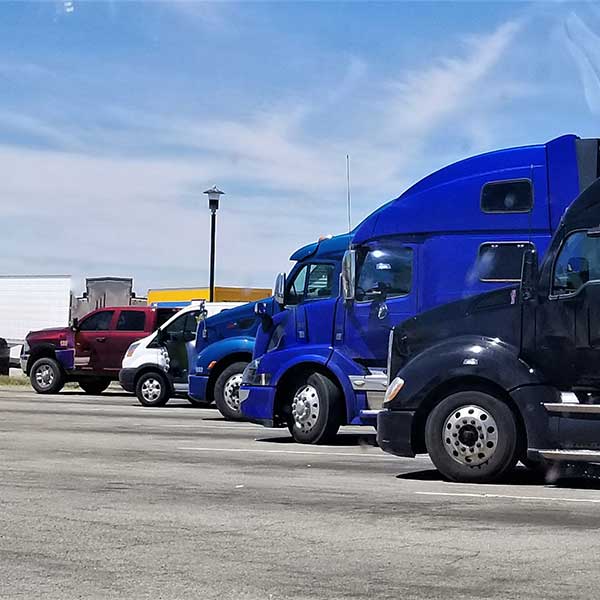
(176, 327)
(320, 282)
(131, 320)
(191, 321)
(295, 293)
(507, 196)
(385, 272)
(501, 261)
(99, 321)
(577, 263)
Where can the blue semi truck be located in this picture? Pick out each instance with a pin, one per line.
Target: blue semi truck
(225, 342)
(321, 362)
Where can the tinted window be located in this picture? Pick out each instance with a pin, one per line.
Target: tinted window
(99, 321)
(385, 271)
(507, 196)
(131, 320)
(296, 288)
(320, 282)
(501, 261)
(186, 322)
(577, 263)
(191, 321)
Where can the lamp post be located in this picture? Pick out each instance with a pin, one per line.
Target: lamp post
(214, 193)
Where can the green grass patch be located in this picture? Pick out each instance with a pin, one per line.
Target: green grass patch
(6, 380)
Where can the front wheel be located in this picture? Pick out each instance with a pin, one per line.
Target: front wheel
(46, 376)
(152, 389)
(227, 391)
(95, 385)
(316, 409)
(472, 437)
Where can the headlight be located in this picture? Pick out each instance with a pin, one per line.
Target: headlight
(251, 377)
(393, 389)
(131, 350)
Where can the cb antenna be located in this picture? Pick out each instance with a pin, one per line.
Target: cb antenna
(349, 207)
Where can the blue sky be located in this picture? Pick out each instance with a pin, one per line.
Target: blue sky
(116, 116)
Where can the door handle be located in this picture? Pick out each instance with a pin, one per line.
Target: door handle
(101, 339)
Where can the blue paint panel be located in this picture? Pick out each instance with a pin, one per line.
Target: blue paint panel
(260, 404)
(66, 358)
(197, 386)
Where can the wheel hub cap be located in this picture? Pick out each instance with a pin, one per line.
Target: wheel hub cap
(44, 376)
(151, 389)
(470, 435)
(231, 393)
(305, 408)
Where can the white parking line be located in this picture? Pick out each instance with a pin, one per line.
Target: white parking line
(377, 456)
(508, 497)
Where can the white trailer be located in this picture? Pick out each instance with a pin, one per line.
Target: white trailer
(28, 303)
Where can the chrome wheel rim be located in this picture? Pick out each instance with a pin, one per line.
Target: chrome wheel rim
(470, 435)
(231, 392)
(44, 376)
(306, 408)
(151, 389)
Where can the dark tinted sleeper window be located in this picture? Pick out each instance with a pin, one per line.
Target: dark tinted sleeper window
(131, 320)
(507, 196)
(501, 261)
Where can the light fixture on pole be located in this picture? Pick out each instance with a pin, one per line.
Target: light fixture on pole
(214, 193)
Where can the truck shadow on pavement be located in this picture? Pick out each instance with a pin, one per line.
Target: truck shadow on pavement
(341, 440)
(521, 476)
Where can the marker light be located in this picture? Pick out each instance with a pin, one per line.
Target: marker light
(393, 389)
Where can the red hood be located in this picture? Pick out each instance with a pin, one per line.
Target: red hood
(50, 335)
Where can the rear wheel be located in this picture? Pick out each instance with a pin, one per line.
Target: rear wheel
(152, 389)
(46, 376)
(227, 391)
(315, 410)
(94, 385)
(472, 436)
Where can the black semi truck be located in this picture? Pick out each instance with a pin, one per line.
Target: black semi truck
(509, 375)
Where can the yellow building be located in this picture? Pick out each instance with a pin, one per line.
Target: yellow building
(222, 294)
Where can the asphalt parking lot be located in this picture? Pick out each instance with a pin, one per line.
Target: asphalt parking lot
(102, 498)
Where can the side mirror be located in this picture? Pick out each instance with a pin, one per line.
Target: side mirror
(261, 310)
(279, 289)
(529, 275)
(75, 324)
(349, 275)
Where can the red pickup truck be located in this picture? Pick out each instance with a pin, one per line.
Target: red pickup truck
(89, 352)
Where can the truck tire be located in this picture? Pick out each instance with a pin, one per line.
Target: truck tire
(46, 376)
(152, 389)
(227, 391)
(472, 437)
(315, 410)
(94, 385)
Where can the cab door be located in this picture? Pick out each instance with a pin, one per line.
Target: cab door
(92, 341)
(316, 311)
(568, 322)
(178, 338)
(386, 294)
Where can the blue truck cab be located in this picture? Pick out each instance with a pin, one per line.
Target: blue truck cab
(225, 342)
(458, 232)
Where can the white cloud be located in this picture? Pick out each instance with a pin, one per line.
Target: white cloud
(142, 212)
(584, 46)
